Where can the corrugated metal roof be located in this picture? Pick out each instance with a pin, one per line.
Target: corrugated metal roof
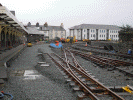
(8, 16)
(33, 30)
(95, 26)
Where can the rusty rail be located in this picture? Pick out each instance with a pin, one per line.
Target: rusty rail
(113, 62)
(83, 86)
(76, 79)
(104, 53)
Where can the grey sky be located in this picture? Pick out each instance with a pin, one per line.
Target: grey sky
(72, 12)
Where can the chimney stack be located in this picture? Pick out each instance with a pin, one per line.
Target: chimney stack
(29, 24)
(37, 24)
(46, 24)
(62, 25)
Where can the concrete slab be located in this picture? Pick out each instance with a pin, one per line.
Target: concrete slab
(66, 77)
(72, 84)
(79, 76)
(76, 89)
(69, 80)
(39, 53)
(44, 65)
(41, 62)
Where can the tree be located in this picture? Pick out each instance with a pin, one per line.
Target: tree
(126, 29)
(126, 33)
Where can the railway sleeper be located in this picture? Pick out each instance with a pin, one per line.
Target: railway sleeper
(125, 72)
(72, 84)
(63, 73)
(82, 96)
(99, 90)
(77, 89)
(91, 84)
(68, 79)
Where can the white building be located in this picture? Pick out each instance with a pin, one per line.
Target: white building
(49, 31)
(95, 32)
(54, 31)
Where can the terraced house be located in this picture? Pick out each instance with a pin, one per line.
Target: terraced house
(48, 31)
(95, 32)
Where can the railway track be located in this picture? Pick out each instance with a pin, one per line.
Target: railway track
(91, 87)
(105, 62)
(102, 52)
(102, 60)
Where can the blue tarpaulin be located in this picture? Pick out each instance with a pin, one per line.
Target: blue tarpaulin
(53, 45)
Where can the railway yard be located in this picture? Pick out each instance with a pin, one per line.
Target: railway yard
(72, 73)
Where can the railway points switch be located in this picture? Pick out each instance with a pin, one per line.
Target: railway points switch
(128, 89)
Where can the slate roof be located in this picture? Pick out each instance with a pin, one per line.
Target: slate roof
(95, 26)
(33, 30)
(50, 28)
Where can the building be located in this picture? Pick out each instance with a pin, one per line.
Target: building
(48, 32)
(12, 32)
(34, 33)
(95, 32)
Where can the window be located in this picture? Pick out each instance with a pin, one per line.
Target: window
(112, 31)
(110, 35)
(94, 35)
(116, 31)
(104, 35)
(114, 36)
(91, 35)
(102, 31)
(100, 35)
(84, 36)
(93, 31)
(84, 30)
(55, 35)
(61, 35)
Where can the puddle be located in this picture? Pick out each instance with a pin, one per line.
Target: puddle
(31, 75)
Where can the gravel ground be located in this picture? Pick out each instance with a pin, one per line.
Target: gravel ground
(52, 85)
(108, 78)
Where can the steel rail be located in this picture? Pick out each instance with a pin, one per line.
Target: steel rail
(84, 88)
(114, 62)
(97, 52)
(92, 58)
(95, 81)
(81, 68)
(95, 47)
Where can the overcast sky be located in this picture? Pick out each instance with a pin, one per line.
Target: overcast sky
(72, 12)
